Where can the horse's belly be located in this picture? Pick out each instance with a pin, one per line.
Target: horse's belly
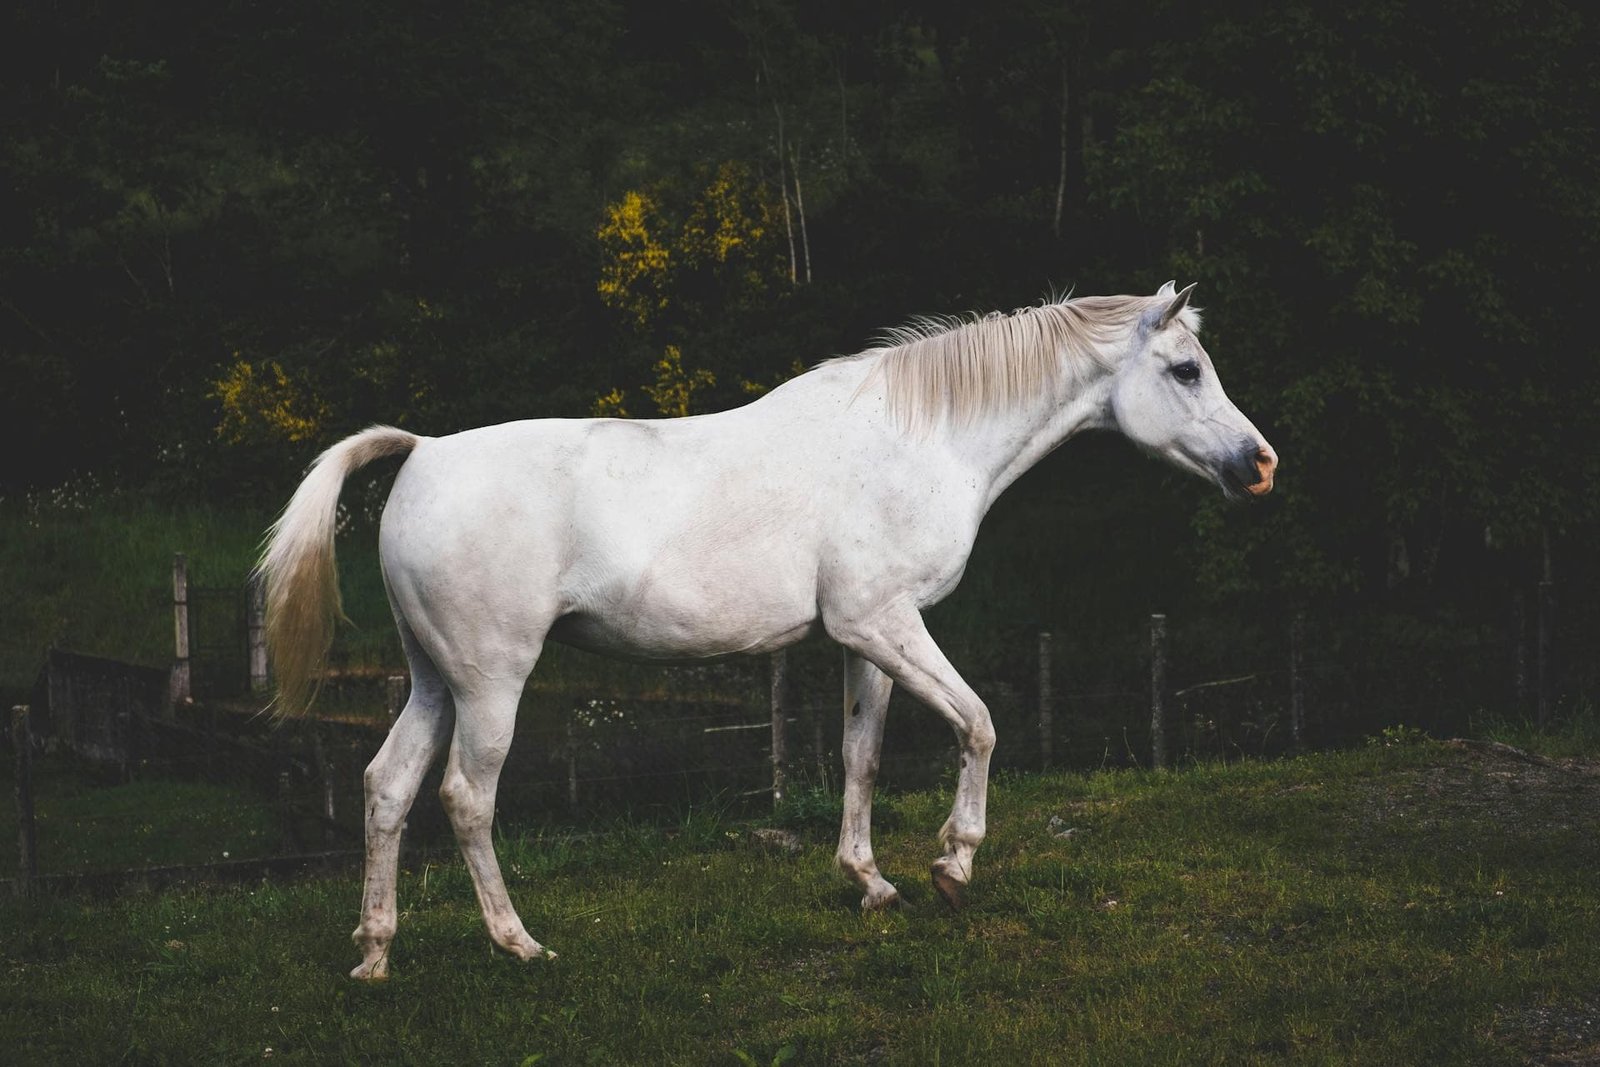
(690, 605)
(667, 632)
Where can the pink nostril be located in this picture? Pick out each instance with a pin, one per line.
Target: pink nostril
(1266, 464)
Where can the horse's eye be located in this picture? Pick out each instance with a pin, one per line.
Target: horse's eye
(1187, 372)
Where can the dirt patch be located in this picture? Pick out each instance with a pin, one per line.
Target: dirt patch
(1563, 1035)
(1476, 782)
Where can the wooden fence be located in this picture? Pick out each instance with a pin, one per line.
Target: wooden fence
(576, 755)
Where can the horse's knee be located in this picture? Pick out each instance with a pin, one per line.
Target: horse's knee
(386, 805)
(979, 737)
(469, 807)
(454, 793)
(982, 737)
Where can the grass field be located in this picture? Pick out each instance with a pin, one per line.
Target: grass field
(1392, 905)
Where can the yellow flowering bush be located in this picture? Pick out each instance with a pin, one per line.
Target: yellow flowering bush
(634, 273)
(675, 387)
(261, 403)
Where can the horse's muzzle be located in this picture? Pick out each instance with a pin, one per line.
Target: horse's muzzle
(1266, 465)
(1250, 472)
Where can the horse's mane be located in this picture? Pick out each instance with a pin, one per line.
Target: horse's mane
(963, 367)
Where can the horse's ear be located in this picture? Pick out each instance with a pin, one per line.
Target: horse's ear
(1169, 289)
(1178, 303)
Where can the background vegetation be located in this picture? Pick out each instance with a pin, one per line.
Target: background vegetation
(232, 233)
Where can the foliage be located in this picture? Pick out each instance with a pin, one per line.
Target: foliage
(1398, 737)
(633, 273)
(264, 405)
(675, 387)
(233, 234)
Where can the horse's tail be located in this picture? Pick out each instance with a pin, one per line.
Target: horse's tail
(298, 567)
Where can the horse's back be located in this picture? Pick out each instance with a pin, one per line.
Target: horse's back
(673, 539)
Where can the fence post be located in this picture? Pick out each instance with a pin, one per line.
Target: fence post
(396, 690)
(1046, 699)
(1158, 689)
(1547, 611)
(1519, 652)
(327, 800)
(572, 758)
(286, 808)
(256, 630)
(780, 726)
(125, 745)
(819, 748)
(324, 767)
(1297, 691)
(27, 834)
(181, 685)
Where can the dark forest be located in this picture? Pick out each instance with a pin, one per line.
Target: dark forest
(233, 232)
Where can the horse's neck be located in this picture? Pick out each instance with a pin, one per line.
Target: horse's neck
(1003, 446)
(995, 448)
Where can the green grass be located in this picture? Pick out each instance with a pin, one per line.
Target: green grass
(84, 825)
(97, 578)
(1577, 731)
(1410, 904)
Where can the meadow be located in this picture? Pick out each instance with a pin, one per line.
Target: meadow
(1404, 902)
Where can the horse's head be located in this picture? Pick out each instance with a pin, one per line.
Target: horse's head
(1167, 399)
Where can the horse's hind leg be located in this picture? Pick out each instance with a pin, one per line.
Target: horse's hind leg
(392, 779)
(866, 707)
(897, 641)
(485, 718)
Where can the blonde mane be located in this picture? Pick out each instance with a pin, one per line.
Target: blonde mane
(960, 369)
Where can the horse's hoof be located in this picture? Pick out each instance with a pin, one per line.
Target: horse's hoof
(526, 950)
(881, 900)
(372, 970)
(949, 887)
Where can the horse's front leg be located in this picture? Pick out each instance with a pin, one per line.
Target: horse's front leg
(895, 639)
(866, 706)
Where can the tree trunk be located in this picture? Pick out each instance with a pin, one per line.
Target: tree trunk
(1061, 181)
(800, 209)
(783, 185)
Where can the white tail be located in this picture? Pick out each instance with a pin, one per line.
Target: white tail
(298, 566)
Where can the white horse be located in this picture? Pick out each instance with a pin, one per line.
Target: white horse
(845, 500)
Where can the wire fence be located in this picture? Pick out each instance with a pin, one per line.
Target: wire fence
(1134, 695)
